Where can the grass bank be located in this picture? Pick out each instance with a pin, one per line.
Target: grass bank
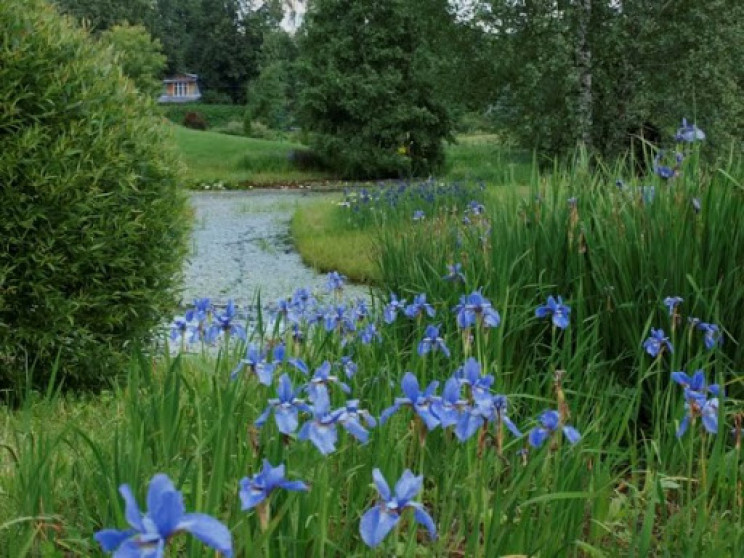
(326, 243)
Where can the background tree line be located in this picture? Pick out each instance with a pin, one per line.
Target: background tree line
(547, 74)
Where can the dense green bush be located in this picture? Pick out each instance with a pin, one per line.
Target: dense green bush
(92, 221)
(218, 116)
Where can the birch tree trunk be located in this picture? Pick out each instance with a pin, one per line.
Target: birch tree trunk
(584, 63)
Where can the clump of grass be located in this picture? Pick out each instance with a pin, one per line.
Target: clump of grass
(326, 243)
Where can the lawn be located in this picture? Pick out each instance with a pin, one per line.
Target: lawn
(237, 161)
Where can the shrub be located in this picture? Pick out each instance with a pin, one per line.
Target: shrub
(259, 130)
(195, 121)
(232, 128)
(93, 224)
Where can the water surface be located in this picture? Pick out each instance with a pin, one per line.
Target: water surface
(241, 246)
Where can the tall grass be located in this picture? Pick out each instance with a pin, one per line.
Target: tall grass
(620, 490)
(629, 487)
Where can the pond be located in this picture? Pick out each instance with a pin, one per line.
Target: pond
(241, 246)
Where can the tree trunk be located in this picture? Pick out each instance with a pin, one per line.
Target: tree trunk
(584, 64)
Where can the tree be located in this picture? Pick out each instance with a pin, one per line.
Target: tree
(140, 56)
(272, 95)
(104, 14)
(573, 71)
(364, 96)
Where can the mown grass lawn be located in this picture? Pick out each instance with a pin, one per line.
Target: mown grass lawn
(237, 161)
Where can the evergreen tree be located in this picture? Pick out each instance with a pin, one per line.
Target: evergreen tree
(365, 99)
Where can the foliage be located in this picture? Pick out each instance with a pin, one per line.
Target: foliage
(218, 116)
(267, 97)
(650, 62)
(272, 95)
(223, 43)
(368, 106)
(140, 56)
(219, 40)
(92, 221)
(100, 15)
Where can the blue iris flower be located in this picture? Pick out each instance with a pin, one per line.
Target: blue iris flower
(224, 323)
(420, 401)
(336, 318)
(485, 409)
(419, 307)
(550, 422)
(476, 208)
(286, 407)
(696, 383)
(182, 330)
(689, 133)
(469, 374)
(349, 366)
(476, 308)
(454, 273)
(321, 429)
(391, 309)
(369, 334)
(449, 406)
(432, 341)
(711, 334)
(663, 171)
(335, 282)
(257, 364)
(352, 417)
(697, 403)
(559, 312)
(378, 521)
(322, 379)
(256, 489)
(657, 342)
(419, 215)
(165, 518)
(671, 302)
(200, 312)
(698, 406)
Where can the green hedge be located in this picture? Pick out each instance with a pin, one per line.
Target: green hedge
(93, 223)
(218, 116)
